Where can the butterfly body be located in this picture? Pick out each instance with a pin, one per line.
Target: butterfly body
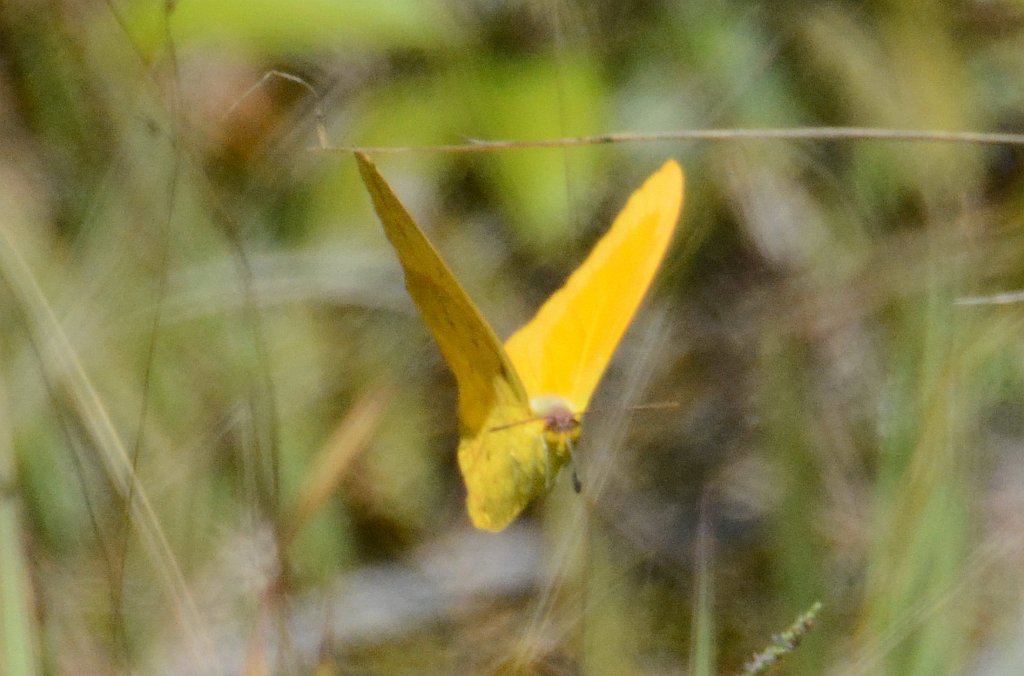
(519, 403)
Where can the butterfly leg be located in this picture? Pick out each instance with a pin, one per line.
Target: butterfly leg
(548, 478)
(577, 485)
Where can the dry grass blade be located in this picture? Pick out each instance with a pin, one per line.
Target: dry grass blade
(790, 134)
(61, 364)
(346, 444)
(19, 641)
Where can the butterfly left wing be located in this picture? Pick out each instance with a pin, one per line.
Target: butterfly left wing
(503, 468)
(467, 342)
(506, 466)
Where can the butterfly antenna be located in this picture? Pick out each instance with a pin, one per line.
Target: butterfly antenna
(498, 428)
(653, 406)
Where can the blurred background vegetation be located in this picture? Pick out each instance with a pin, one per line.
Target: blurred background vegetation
(227, 441)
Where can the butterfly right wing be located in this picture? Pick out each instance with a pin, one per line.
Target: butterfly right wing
(564, 350)
(503, 469)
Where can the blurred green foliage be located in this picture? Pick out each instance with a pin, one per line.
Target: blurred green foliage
(198, 304)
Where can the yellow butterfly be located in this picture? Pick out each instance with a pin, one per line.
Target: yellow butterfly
(519, 403)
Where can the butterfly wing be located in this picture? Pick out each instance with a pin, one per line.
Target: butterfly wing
(503, 469)
(467, 342)
(565, 349)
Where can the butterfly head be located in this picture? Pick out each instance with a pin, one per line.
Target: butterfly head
(561, 422)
